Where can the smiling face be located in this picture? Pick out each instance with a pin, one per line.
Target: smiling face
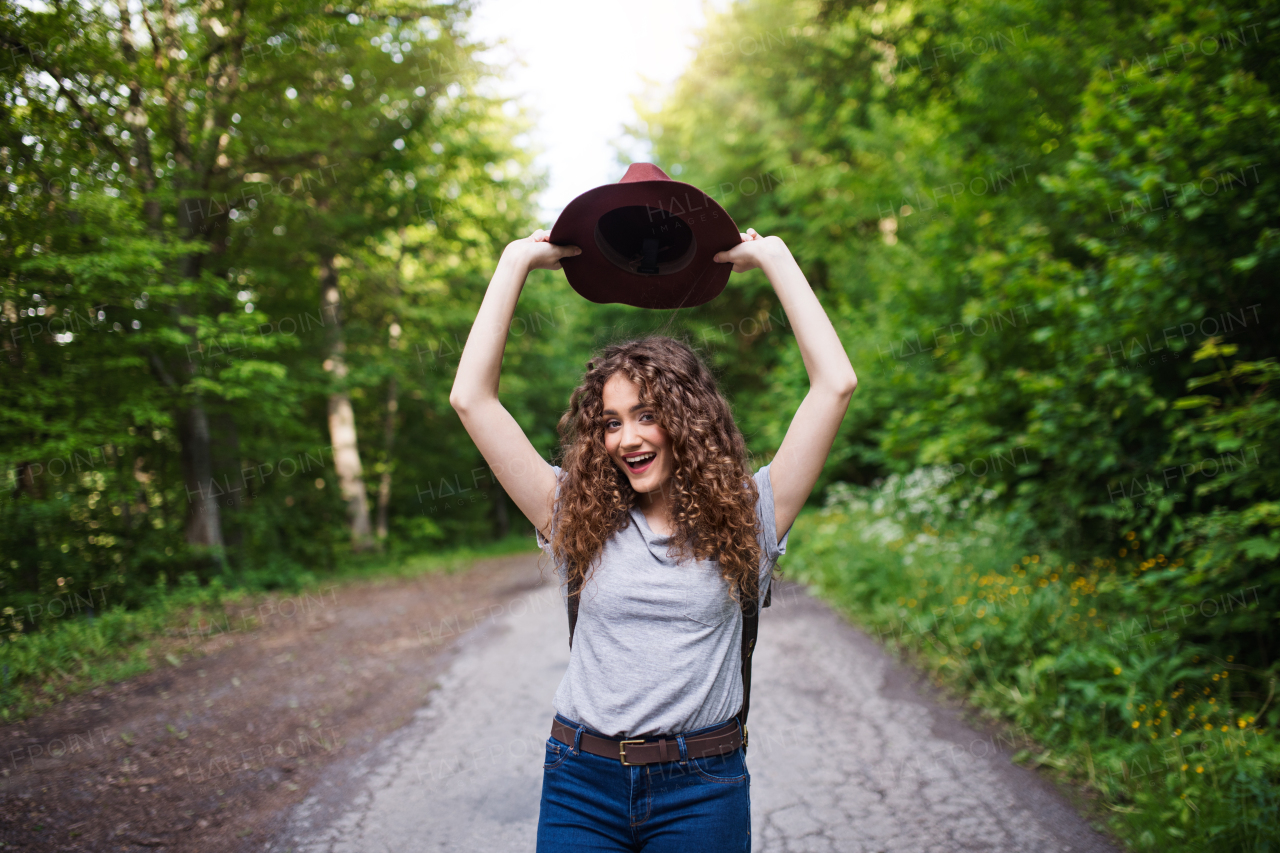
(632, 437)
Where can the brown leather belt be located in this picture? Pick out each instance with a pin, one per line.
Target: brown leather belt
(654, 749)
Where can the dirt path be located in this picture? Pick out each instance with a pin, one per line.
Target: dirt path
(363, 721)
(209, 755)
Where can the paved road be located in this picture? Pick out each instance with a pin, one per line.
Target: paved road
(893, 772)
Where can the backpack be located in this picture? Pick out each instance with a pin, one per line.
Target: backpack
(750, 626)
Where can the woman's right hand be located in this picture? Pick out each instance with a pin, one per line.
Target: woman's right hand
(539, 253)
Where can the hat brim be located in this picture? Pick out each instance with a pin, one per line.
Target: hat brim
(600, 280)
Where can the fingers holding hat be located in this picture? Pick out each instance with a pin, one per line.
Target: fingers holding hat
(744, 256)
(542, 254)
(554, 253)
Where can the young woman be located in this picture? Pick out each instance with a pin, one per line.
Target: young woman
(658, 520)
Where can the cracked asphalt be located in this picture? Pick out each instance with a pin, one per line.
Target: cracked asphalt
(848, 752)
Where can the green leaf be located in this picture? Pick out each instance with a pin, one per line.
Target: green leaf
(1195, 402)
(1259, 548)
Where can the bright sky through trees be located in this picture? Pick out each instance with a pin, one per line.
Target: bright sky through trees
(578, 63)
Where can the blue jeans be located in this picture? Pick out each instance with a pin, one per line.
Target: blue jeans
(592, 803)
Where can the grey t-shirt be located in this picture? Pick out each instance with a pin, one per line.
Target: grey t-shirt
(658, 646)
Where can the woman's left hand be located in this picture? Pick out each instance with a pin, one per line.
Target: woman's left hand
(751, 253)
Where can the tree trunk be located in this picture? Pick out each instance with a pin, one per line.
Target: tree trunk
(204, 521)
(123, 475)
(234, 482)
(27, 485)
(501, 518)
(342, 419)
(388, 440)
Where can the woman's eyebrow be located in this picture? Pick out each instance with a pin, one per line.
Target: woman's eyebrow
(632, 409)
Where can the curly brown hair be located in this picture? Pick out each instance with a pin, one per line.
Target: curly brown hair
(712, 493)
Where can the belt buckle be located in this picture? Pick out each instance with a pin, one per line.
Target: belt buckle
(622, 751)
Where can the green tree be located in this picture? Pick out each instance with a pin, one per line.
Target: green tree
(1007, 206)
(189, 188)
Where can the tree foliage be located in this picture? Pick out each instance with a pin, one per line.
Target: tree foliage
(177, 177)
(1048, 235)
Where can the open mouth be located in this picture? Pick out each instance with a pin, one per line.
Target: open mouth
(640, 462)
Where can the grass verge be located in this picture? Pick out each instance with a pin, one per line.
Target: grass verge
(71, 655)
(1163, 729)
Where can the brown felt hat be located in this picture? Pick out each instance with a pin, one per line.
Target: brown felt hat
(646, 241)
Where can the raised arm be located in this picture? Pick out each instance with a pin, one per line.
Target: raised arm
(526, 476)
(804, 449)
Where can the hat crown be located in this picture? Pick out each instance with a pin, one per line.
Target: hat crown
(647, 240)
(643, 172)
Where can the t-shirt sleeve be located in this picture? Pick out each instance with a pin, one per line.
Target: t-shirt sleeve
(543, 542)
(770, 546)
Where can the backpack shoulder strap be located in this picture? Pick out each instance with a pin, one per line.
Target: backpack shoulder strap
(750, 629)
(573, 610)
